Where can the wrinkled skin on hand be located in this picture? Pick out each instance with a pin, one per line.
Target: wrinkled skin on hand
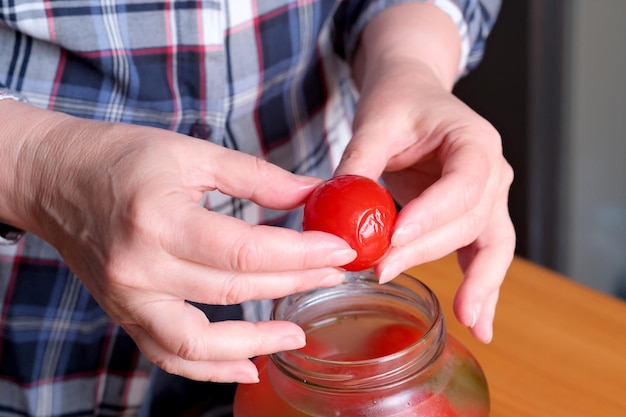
(120, 203)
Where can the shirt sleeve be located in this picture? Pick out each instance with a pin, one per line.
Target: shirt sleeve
(6, 94)
(473, 18)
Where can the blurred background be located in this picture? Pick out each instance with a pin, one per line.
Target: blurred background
(553, 82)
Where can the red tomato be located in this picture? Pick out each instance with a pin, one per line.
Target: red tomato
(358, 210)
(393, 338)
(436, 406)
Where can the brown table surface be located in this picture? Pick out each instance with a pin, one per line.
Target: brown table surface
(559, 348)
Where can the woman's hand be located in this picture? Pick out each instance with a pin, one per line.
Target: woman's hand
(121, 204)
(442, 162)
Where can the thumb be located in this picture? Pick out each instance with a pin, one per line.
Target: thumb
(367, 154)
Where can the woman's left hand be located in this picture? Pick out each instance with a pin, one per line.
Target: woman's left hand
(443, 164)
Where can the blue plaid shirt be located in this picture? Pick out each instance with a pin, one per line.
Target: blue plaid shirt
(264, 77)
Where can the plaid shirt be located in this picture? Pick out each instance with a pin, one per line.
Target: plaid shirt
(264, 77)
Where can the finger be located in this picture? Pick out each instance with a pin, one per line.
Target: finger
(228, 243)
(184, 330)
(177, 328)
(483, 327)
(247, 177)
(241, 371)
(367, 154)
(486, 231)
(195, 282)
(465, 177)
(431, 246)
(485, 266)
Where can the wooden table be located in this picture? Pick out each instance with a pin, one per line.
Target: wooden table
(559, 348)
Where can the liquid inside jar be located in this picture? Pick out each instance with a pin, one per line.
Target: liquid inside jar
(361, 337)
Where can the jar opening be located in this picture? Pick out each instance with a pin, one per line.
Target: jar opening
(361, 334)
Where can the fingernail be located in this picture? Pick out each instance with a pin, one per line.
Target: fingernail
(475, 313)
(341, 257)
(404, 235)
(306, 179)
(389, 272)
(332, 279)
(487, 339)
(292, 342)
(248, 376)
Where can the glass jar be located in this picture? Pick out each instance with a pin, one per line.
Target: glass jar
(372, 350)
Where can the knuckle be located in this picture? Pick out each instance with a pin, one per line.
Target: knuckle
(248, 255)
(471, 226)
(488, 131)
(509, 239)
(235, 291)
(508, 175)
(509, 246)
(191, 349)
(256, 346)
(169, 363)
(263, 174)
(473, 192)
(263, 168)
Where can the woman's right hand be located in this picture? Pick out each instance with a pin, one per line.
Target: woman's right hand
(121, 205)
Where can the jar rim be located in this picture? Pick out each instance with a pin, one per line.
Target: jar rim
(420, 354)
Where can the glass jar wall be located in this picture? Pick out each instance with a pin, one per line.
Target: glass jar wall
(372, 350)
